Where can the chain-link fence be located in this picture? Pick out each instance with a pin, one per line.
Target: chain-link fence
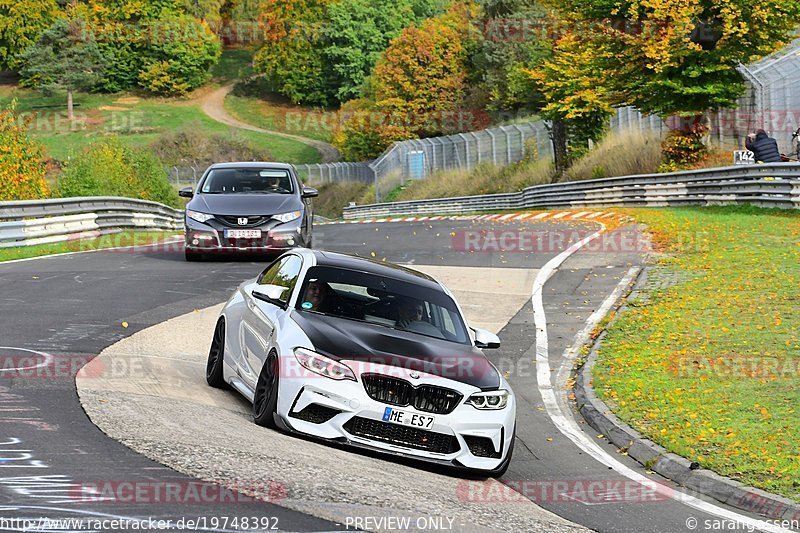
(418, 158)
(184, 176)
(772, 101)
(333, 172)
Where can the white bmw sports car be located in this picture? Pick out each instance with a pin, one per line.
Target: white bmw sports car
(367, 354)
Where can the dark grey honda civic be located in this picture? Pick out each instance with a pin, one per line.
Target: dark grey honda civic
(247, 207)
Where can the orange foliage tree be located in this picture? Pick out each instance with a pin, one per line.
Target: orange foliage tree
(424, 72)
(417, 88)
(22, 169)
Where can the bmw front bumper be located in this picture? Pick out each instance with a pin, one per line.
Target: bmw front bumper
(465, 437)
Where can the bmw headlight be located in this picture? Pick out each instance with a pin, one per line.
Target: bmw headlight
(496, 399)
(198, 216)
(283, 218)
(324, 366)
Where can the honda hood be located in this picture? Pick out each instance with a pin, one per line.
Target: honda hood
(245, 204)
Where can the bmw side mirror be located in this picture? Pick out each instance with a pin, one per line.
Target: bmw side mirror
(270, 294)
(186, 192)
(310, 192)
(486, 339)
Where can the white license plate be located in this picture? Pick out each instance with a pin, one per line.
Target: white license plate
(405, 418)
(242, 233)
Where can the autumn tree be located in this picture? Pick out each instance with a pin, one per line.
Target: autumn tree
(577, 99)
(680, 58)
(154, 45)
(292, 56)
(65, 58)
(22, 170)
(423, 74)
(21, 22)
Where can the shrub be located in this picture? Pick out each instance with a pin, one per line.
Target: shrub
(107, 168)
(189, 146)
(22, 169)
(683, 148)
(363, 138)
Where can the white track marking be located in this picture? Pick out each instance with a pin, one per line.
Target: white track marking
(566, 424)
(47, 359)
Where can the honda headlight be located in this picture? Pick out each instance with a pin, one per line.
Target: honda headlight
(198, 216)
(497, 399)
(324, 366)
(283, 218)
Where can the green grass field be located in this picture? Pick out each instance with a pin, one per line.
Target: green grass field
(114, 240)
(137, 121)
(709, 368)
(273, 114)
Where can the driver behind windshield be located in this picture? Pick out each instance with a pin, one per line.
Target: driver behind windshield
(410, 311)
(274, 184)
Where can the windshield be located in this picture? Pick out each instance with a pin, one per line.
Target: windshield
(382, 301)
(247, 180)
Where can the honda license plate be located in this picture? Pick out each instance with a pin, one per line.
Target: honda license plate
(242, 233)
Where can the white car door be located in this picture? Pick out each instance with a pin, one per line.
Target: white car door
(266, 302)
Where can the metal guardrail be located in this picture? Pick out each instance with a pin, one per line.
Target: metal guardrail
(25, 223)
(770, 185)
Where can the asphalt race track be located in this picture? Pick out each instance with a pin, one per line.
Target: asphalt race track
(59, 312)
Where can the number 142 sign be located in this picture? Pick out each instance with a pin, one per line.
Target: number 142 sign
(743, 157)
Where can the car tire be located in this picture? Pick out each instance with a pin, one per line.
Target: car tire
(216, 356)
(265, 402)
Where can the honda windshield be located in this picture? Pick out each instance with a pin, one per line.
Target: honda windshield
(247, 181)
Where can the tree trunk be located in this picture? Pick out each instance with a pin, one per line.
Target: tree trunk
(70, 114)
(558, 134)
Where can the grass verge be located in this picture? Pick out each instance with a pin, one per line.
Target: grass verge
(709, 367)
(114, 240)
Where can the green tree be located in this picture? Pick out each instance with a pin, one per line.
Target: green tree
(153, 44)
(516, 39)
(358, 31)
(21, 22)
(22, 169)
(66, 57)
